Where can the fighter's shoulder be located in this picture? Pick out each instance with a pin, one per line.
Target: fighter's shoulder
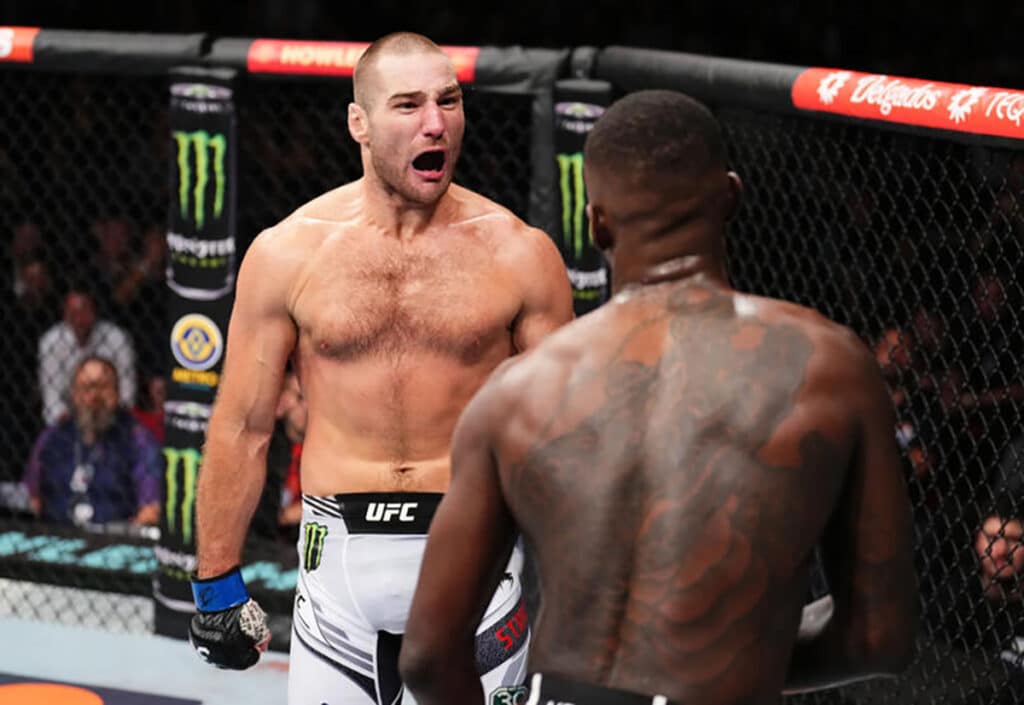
(305, 228)
(332, 207)
(839, 357)
(497, 223)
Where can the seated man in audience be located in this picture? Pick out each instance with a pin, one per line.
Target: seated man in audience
(81, 333)
(99, 465)
(999, 550)
(149, 407)
(999, 545)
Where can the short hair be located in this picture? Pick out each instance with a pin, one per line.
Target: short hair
(396, 43)
(105, 361)
(80, 287)
(654, 133)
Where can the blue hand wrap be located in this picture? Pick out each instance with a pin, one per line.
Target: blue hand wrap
(221, 592)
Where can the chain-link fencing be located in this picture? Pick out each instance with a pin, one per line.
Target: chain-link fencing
(916, 244)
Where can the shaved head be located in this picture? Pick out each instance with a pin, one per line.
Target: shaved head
(364, 78)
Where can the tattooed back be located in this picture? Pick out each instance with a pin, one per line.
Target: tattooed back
(672, 459)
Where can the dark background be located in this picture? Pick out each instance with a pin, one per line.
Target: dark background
(976, 43)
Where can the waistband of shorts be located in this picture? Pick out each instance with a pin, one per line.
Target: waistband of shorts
(378, 512)
(553, 690)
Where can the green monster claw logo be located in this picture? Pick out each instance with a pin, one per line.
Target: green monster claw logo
(574, 200)
(189, 458)
(201, 142)
(314, 542)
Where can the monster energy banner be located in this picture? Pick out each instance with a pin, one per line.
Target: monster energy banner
(201, 237)
(578, 104)
(201, 244)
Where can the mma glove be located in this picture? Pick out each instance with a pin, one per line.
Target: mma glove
(230, 629)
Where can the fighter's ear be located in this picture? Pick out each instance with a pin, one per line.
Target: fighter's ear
(358, 126)
(734, 195)
(600, 234)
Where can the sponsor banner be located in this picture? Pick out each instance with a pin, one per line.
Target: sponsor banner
(197, 345)
(201, 278)
(283, 56)
(187, 416)
(908, 101)
(578, 105)
(201, 232)
(17, 43)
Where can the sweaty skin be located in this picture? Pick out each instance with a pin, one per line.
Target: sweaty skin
(395, 296)
(395, 336)
(672, 460)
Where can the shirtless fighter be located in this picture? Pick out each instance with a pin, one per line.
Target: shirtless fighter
(672, 459)
(396, 296)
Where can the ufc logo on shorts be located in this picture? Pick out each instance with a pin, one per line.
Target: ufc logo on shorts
(380, 511)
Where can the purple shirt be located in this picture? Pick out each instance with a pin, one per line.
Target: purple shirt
(121, 471)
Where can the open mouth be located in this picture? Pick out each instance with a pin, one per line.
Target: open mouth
(430, 163)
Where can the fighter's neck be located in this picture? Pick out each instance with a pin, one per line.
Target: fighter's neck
(399, 217)
(637, 272)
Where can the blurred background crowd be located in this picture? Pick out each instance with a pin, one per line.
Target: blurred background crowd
(917, 245)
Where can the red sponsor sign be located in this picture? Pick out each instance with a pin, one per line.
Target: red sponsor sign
(910, 101)
(334, 58)
(16, 43)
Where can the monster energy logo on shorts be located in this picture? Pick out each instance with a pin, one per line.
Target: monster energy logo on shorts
(574, 201)
(188, 459)
(210, 151)
(314, 543)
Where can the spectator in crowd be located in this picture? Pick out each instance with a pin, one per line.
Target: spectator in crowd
(145, 273)
(110, 263)
(999, 545)
(999, 551)
(150, 410)
(26, 245)
(26, 318)
(280, 509)
(99, 465)
(895, 353)
(80, 334)
(986, 385)
(139, 298)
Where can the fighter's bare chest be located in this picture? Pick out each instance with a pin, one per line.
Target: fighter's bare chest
(459, 304)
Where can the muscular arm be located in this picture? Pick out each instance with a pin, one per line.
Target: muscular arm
(869, 558)
(547, 297)
(261, 336)
(469, 545)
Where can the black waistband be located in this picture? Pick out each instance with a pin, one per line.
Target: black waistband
(553, 690)
(379, 512)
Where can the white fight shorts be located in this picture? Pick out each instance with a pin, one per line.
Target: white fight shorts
(359, 559)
